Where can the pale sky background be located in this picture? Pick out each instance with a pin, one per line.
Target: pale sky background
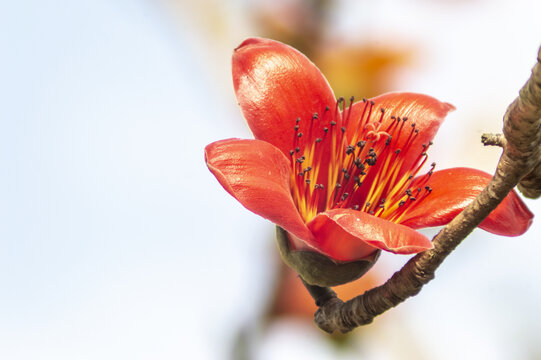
(117, 243)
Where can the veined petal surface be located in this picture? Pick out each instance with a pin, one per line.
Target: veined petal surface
(257, 174)
(275, 85)
(453, 190)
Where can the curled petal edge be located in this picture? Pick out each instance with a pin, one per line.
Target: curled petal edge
(347, 235)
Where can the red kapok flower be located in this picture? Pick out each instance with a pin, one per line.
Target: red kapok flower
(341, 176)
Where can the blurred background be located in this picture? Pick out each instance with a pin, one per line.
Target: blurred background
(116, 242)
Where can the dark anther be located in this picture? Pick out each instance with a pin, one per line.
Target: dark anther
(345, 196)
(364, 99)
(357, 180)
(343, 129)
(300, 160)
(344, 170)
(383, 200)
(362, 173)
(307, 181)
(397, 151)
(405, 118)
(346, 176)
(316, 186)
(382, 110)
(291, 152)
(398, 119)
(327, 108)
(297, 149)
(393, 117)
(424, 146)
(423, 153)
(321, 186)
(298, 120)
(299, 134)
(412, 125)
(333, 123)
(412, 198)
(371, 161)
(416, 131)
(408, 192)
(410, 177)
(401, 203)
(352, 98)
(367, 204)
(340, 99)
(338, 186)
(350, 149)
(372, 102)
(371, 212)
(430, 142)
(315, 116)
(296, 127)
(428, 188)
(308, 168)
(361, 143)
(325, 129)
(433, 164)
(382, 206)
(388, 141)
(318, 140)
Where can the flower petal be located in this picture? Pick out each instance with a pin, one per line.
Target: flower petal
(426, 112)
(257, 174)
(453, 190)
(347, 235)
(276, 84)
(407, 143)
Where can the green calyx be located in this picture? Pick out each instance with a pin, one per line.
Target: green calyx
(317, 269)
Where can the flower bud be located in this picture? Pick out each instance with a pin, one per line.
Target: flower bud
(317, 269)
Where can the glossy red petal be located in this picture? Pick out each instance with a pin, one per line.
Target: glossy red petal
(346, 235)
(426, 112)
(423, 111)
(276, 84)
(257, 174)
(452, 190)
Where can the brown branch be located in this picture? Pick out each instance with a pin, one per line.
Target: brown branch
(521, 157)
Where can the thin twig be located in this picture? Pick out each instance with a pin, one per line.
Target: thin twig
(493, 140)
(521, 157)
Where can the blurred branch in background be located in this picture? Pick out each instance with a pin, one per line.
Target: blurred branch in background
(307, 25)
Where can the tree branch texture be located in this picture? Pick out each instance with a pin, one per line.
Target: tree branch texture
(520, 164)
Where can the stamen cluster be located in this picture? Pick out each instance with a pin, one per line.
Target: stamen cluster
(362, 168)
